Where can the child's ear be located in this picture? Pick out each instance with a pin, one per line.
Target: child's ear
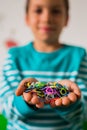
(27, 20)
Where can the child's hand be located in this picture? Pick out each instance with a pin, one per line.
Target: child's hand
(30, 97)
(72, 97)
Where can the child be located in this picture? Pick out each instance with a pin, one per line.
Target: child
(45, 59)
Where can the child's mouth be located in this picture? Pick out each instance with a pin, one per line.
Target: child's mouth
(47, 29)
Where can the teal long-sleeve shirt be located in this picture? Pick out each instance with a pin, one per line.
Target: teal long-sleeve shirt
(68, 62)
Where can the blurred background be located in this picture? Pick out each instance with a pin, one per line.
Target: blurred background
(13, 30)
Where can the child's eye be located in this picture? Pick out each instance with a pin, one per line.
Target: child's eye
(56, 11)
(38, 11)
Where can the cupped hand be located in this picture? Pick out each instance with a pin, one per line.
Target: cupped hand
(30, 97)
(72, 97)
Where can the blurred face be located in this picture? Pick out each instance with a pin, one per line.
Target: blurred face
(46, 18)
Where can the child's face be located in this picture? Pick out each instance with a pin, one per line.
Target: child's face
(46, 18)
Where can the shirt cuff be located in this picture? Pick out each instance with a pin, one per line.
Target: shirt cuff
(23, 107)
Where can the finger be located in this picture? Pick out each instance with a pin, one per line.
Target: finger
(21, 88)
(47, 102)
(58, 102)
(74, 88)
(52, 103)
(72, 97)
(35, 99)
(40, 105)
(27, 96)
(77, 92)
(65, 101)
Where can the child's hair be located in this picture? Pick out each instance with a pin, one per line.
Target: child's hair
(66, 2)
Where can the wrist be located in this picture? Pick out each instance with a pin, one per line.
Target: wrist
(32, 106)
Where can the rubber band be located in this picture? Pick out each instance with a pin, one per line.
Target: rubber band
(47, 90)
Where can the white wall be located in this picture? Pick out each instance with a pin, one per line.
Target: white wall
(76, 33)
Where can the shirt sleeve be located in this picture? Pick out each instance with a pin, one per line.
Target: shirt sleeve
(12, 106)
(82, 82)
(78, 110)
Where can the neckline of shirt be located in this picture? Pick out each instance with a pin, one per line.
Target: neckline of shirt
(47, 53)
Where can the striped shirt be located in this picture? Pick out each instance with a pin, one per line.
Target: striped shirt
(68, 62)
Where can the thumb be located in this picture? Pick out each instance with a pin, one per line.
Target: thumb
(21, 88)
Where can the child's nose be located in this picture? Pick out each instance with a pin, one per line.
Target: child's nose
(46, 16)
